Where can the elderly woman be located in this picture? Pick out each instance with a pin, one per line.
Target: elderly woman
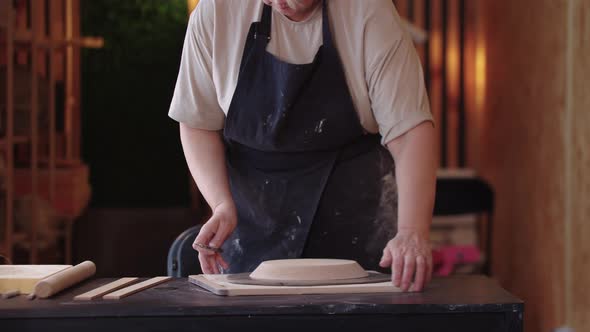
(291, 116)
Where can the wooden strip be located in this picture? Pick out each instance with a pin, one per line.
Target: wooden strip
(69, 99)
(105, 289)
(136, 288)
(76, 83)
(35, 213)
(418, 18)
(9, 168)
(402, 8)
(11, 294)
(435, 69)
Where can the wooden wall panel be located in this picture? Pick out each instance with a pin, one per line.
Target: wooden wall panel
(522, 152)
(402, 7)
(435, 42)
(579, 292)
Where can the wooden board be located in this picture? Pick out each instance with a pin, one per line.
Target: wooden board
(135, 288)
(105, 289)
(218, 284)
(24, 277)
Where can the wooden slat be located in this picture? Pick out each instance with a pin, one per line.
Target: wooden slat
(25, 38)
(435, 43)
(54, 33)
(453, 68)
(76, 84)
(402, 7)
(35, 17)
(9, 168)
(472, 114)
(69, 97)
(21, 26)
(105, 289)
(57, 31)
(136, 288)
(40, 9)
(419, 21)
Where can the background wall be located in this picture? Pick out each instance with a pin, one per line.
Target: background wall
(534, 150)
(132, 146)
(578, 172)
(140, 182)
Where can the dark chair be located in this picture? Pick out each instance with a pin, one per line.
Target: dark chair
(182, 258)
(468, 195)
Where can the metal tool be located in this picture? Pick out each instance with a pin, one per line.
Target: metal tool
(207, 247)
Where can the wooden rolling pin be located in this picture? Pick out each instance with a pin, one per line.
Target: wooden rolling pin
(64, 279)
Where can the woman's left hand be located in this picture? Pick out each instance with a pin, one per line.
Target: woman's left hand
(410, 257)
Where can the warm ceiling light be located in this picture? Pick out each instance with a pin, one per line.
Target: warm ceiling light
(192, 4)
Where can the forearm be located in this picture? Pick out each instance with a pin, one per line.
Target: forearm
(205, 156)
(415, 169)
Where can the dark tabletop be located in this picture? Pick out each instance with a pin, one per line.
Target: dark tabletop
(178, 297)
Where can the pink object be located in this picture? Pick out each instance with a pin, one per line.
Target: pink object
(445, 259)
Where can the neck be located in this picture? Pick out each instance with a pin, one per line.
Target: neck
(303, 14)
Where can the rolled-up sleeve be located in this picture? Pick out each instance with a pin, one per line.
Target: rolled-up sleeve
(394, 75)
(195, 102)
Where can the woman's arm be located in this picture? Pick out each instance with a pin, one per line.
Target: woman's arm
(415, 167)
(205, 156)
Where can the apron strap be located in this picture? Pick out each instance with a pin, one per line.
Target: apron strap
(326, 32)
(263, 28)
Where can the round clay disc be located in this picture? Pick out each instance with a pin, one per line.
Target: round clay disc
(308, 269)
(245, 279)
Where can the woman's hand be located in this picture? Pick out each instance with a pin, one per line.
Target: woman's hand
(214, 233)
(410, 257)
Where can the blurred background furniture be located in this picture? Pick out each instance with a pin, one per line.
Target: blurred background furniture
(463, 215)
(43, 182)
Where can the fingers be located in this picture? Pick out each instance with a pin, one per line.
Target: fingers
(386, 258)
(207, 258)
(205, 236)
(420, 275)
(210, 263)
(204, 262)
(220, 236)
(213, 264)
(219, 260)
(396, 269)
(408, 274)
(429, 268)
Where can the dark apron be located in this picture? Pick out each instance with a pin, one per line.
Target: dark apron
(306, 179)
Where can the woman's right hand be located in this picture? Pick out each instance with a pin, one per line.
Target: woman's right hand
(214, 233)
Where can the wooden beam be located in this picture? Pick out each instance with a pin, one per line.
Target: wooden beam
(9, 150)
(35, 29)
(436, 71)
(419, 20)
(76, 83)
(69, 97)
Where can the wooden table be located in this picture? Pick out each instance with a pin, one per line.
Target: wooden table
(462, 303)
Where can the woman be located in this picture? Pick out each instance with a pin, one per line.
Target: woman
(291, 116)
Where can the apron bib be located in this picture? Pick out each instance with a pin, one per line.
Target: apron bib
(306, 179)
